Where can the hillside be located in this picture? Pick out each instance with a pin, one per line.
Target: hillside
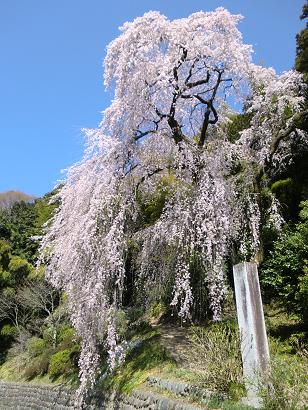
(9, 198)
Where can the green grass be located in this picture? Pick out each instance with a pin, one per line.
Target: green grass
(289, 361)
(146, 357)
(227, 405)
(149, 358)
(13, 370)
(172, 371)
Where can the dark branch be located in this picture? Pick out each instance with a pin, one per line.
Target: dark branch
(148, 175)
(131, 169)
(215, 115)
(180, 62)
(140, 134)
(190, 73)
(210, 109)
(199, 82)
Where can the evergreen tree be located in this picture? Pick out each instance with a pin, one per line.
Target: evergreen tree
(301, 62)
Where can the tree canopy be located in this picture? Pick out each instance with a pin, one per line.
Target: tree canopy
(301, 62)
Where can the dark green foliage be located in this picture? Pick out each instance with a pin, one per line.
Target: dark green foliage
(292, 187)
(301, 62)
(5, 249)
(284, 273)
(238, 123)
(201, 309)
(14, 270)
(8, 330)
(44, 208)
(66, 335)
(5, 231)
(44, 358)
(151, 207)
(27, 305)
(23, 221)
(286, 191)
(22, 227)
(35, 346)
(282, 187)
(19, 268)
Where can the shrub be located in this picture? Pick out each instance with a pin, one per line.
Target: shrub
(215, 355)
(67, 338)
(8, 330)
(134, 313)
(287, 381)
(49, 335)
(20, 342)
(302, 295)
(35, 346)
(20, 268)
(8, 292)
(157, 310)
(66, 333)
(37, 367)
(62, 363)
(285, 272)
(5, 249)
(6, 278)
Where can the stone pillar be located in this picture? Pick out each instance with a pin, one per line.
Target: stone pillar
(254, 345)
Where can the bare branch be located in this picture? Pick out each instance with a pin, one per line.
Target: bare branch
(199, 82)
(190, 74)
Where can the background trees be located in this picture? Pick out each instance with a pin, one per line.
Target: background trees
(34, 323)
(301, 62)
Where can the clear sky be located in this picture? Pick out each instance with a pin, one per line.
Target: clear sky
(51, 86)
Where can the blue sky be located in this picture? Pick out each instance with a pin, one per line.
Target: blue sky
(51, 71)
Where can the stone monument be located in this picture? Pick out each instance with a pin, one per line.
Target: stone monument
(254, 344)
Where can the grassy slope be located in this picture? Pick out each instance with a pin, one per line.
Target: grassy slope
(148, 356)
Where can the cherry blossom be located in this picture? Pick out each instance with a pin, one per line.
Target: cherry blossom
(174, 84)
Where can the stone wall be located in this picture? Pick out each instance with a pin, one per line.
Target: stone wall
(20, 396)
(30, 396)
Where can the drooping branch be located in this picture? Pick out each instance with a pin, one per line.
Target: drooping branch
(138, 134)
(300, 121)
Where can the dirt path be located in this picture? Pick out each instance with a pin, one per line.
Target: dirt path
(176, 342)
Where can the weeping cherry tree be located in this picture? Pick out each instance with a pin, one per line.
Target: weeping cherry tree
(175, 86)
